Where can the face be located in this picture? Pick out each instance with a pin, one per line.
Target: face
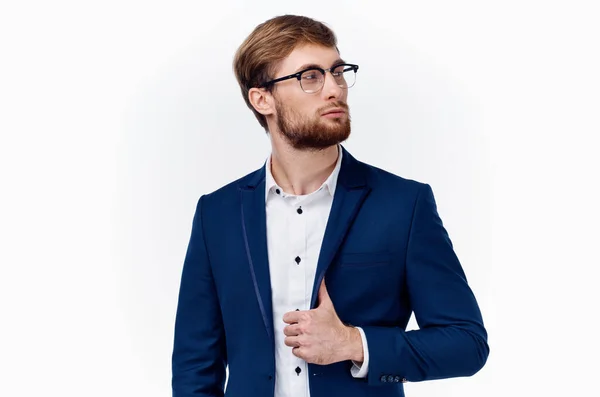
(306, 121)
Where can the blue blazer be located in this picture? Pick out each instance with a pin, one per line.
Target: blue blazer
(385, 254)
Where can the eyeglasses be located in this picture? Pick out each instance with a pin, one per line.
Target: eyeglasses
(312, 79)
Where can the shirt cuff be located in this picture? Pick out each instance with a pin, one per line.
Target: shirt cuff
(360, 370)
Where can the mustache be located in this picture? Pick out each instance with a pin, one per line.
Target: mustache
(334, 105)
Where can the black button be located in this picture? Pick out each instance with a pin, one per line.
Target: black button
(390, 378)
(298, 370)
(383, 379)
(297, 260)
(297, 310)
(299, 210)
(277, 191)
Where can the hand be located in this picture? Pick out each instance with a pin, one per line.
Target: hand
(318, 336)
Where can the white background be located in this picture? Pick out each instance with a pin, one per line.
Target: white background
(116, 116)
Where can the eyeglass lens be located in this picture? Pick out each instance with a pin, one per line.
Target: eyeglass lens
(312, 80)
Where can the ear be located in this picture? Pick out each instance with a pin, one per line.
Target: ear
(261, 100)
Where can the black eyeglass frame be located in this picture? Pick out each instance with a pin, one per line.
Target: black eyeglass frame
(298, 75)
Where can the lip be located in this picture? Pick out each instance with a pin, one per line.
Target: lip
(334, 112)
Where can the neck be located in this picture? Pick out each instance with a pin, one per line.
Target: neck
(301, 172)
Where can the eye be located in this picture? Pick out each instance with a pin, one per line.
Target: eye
(310, 75)
(338, 71)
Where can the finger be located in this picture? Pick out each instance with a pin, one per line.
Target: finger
(291, 317)
(297, 316)
(292, 330)
(298, 352)
(292, 341)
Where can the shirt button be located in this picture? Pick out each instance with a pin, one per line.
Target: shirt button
(277, 191)
(299, 210)
(298, 370)
(297, 260)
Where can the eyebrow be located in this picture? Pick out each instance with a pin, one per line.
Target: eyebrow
(314, 65)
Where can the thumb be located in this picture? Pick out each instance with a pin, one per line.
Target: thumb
(324, 299)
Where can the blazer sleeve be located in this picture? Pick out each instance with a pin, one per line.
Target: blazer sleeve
(451, 340)
(199, 354)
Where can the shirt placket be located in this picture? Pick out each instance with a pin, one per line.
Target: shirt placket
(297, 283)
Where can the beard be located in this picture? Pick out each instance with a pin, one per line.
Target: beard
(313, 133)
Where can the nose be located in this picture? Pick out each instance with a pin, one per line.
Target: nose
(331, 89)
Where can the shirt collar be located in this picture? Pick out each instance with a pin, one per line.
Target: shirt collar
(330, 183)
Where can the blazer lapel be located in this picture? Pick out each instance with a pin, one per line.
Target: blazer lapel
(254, 228)
(350, 193)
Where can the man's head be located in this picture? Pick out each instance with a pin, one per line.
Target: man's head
(308, 110)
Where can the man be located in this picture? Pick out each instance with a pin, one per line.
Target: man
(301, 276)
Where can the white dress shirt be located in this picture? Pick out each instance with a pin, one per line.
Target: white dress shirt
(295, 229)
